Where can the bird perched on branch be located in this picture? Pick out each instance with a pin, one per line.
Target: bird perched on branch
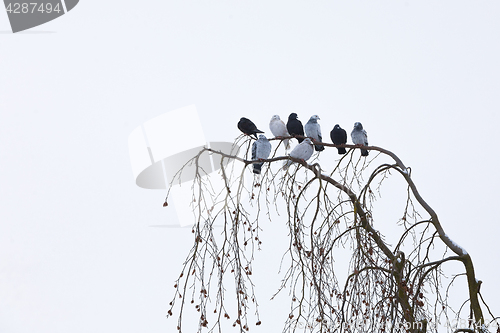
(260, 151)
(359, 137)
(302, 151)
(248, 127)
(313, 130)
(278, 128)
(294, 126)
(339, 137)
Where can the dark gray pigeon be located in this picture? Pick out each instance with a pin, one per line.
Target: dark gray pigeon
(313, 130)
(339, 137)
(294, 126)
(260, 150)
(359, 137)
(248, 127)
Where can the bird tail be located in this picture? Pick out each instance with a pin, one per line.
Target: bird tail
(255, 133)
(341, 150)
(364, 152)
(319, 148)
(257, 168)
(287, 143)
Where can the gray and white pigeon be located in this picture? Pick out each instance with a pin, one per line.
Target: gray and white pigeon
(303, 151)
(359, 137)
(313, 130)
(260, 150)
(278, 128)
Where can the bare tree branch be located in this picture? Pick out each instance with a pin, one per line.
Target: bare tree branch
(326, 213)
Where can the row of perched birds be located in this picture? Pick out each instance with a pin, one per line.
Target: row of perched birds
(261, 149)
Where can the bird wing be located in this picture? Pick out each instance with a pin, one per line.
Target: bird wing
(359, 137)
(294, 126)
(273, 126)
(265, 149)
(343, 135)
(254, 150)
(278, 128)
(296, 152)
(355, 137)
(307, 152)
(314, 131)
(247, 126)
(302, 151)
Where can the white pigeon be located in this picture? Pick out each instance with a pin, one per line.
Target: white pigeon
(303, 151)
(278, 128)
(359, 137)
(313, 130)
(261, 149)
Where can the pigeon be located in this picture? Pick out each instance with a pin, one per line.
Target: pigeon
(260, 150)
(294, 126)
(302, 151)
(278, 128)
(339, 137)
(248, 127)
(313, 130)
(359, 137)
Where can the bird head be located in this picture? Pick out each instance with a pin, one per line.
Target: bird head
(314, 118)
(337, 127)
(262, 137)
(292, 116)
(358, 126)
(307, 141)
(275, 117)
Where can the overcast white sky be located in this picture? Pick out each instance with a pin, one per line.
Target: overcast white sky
(77, 253)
